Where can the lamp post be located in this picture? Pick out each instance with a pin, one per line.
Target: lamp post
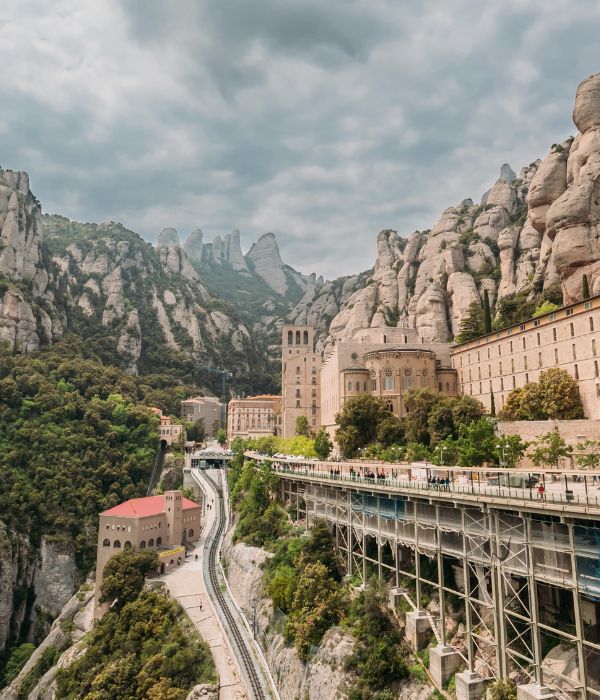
(502, 447)
(441, 456)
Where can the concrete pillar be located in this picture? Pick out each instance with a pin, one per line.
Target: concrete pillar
(469, 686)
(417, 629)
(443, 662)
(535, 691)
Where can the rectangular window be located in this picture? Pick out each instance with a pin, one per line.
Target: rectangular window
(501, 383)
(598, 391)
(500, 367)
(525, 362)
(587, 305)
(526, 378)
(553, 317)
(478, 357)
(539, 340)
(522, 327)
(554, 334)
(480, 388)
(536, 323)
(569, 312)
(524, 344)
(576, 371)
(572, 327)
(489, 352)
(596, 373)
(514, 381)
(591, 324)
(511, 346)
(499, 351)
(574, 351)
(594, 348)
(489, 370)
(512, 365)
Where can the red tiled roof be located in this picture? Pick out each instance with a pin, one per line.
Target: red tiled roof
(145, 507)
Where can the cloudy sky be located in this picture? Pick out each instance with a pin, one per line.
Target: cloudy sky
(323, 121)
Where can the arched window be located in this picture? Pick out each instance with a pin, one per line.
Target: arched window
(298, 369)
(388, 379)
(191, 532)
(407, 378)
(158, 541)
(357, 386)
(106, 543)
(143, 544)
(290, 338)
(297, 337)
(305, 337)
(117, 544)
(127, 545)
(390, 407)
(151, 542)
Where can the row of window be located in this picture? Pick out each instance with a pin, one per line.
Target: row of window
(527, 365)
(511, 347)
(504, 386)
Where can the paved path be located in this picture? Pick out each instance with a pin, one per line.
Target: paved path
(186, 584)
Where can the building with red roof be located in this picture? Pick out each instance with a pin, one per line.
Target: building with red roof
(166, 523)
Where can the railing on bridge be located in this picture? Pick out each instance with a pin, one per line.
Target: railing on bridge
(567, 488)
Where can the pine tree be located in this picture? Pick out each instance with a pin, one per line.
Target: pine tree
(487, 313)
(472, 324)
(492, 404)
(586, 288)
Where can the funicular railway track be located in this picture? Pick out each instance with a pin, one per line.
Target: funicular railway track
(255, 690)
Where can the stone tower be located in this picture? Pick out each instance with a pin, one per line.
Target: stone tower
(173, 509)
(300, 381)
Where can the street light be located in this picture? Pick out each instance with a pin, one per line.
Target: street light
(441, 456)
(502, 448)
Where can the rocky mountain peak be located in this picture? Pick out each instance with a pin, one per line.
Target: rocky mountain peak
(167, 237)
(193, 245)
(267, 263)
(507, 173)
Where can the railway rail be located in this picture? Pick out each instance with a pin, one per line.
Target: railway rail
(255, 689)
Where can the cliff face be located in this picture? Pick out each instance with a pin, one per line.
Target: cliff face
(528, 234)
(35, 583)
(102, 279)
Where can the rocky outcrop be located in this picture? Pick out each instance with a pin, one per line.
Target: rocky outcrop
(74, 621)
(323, 676)
(573, 219)
(267, 263)
(129, 345)
(232, 251)
(528, 234)
(20, 231)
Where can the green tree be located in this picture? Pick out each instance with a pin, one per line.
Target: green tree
(503, 689)
(196, 431)
(560, 395)
(476, 443)
(417, 452)
(472, 325)
(221, 437)
(419, 403)
(302, 427)
(487, 313)
(323, 444)
(585, 288)
(359, 421)
(549, 449)
(465, 410)
(510, 449)
(546, 307)
(377, 657)
(318, 605)
(391, 431)
(524, 403)
(124, 574)
(440, 422)
(588, 456)
(17, 659)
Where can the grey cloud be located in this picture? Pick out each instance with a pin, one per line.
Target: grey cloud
(323, 122)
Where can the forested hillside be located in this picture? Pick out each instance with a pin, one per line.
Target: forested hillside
(75, 438)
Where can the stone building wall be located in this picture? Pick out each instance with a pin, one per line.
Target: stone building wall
(502, 361)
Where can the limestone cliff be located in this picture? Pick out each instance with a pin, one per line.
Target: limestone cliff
(529, 234)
